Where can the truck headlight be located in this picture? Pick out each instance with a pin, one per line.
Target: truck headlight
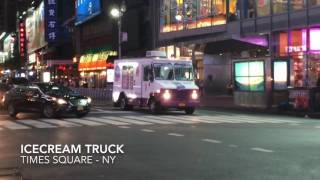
(89, 100)
(62, 101)
(194, 94)
(166, 95)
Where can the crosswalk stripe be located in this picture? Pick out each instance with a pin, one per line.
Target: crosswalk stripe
(85, 122)
(61, 123)
(148, 119)
(211, 141)
(13, 125)
(131, 121)
(175, 134)
(191, 119)
(172, 119)
(104, 119)
(37, 124)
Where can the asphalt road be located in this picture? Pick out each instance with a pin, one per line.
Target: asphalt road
(208, 145)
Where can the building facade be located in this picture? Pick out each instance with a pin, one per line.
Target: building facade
(261, 47)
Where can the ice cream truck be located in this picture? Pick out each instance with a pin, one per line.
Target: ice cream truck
(155, 82)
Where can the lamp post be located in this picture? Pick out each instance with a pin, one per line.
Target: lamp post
(117, 12)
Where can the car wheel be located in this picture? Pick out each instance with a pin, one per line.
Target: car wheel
(12, 110)
(154, 107)
(189, 110)
(48, 111)
(81, 115)
(123, 102)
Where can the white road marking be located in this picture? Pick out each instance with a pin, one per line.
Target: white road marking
(104, 119)
(148, 119)
(84, 122)
(262, 150)
(175, 120)
(233, 145)
(37, 124)
(61, 123)
(175, 134)
(318, 127)
(124, 127)
(147, 130)
(212, 141)
(13, 125)
(130, 121)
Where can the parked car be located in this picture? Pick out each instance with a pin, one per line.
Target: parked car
(49, 99)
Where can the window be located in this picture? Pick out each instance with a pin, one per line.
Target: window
(249, 9)
(177, 15)
(190, 13)
(249, 76)
(183, 72)
(280, 6)
(297, 4)
(219, 12)
(263, 7)
(165, 16)
(314, 2)
(163, 71)
(234, 12)
(280, 75)
(204, 13)
(147, 73)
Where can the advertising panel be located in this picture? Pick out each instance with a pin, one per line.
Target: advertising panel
(87, 9)
(249, 76)
(51, 21)
(35, 27)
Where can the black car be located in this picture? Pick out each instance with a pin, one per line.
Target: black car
(49, 99)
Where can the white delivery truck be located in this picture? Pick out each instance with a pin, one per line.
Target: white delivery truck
(155, 82)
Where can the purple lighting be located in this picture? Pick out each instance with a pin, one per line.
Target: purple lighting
(314, 39)
(257, 40)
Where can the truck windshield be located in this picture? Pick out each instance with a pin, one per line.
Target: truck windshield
(163, 71)
(183, 72)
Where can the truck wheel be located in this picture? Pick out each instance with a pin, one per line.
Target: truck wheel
(123, 103)
(154, 107)
(189, 110)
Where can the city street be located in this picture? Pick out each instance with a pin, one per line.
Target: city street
(212, 144)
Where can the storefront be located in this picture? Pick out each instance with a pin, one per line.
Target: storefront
(290, 75)
(93, 68)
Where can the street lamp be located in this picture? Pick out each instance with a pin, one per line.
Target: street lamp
(117, 12)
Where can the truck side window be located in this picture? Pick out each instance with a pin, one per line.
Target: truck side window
(146, 72)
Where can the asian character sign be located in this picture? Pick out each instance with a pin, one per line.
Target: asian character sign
(51, 20)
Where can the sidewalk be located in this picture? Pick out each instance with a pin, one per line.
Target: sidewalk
(225, 102)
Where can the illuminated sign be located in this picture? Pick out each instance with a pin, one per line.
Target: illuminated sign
(249, 76)
(280, 75)
(22, 37)
(35, 27)
(51, 21)
(86, 9)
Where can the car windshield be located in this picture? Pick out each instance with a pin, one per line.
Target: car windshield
(55, 89)
(163, 71)
(183, 72)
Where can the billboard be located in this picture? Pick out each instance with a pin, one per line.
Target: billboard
(87, 9)
(51, 8)
(249, 76)
(35, 29)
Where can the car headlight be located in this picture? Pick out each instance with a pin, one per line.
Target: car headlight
(62, 101)
(194, 94)
(166, 95)
(89, 100)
